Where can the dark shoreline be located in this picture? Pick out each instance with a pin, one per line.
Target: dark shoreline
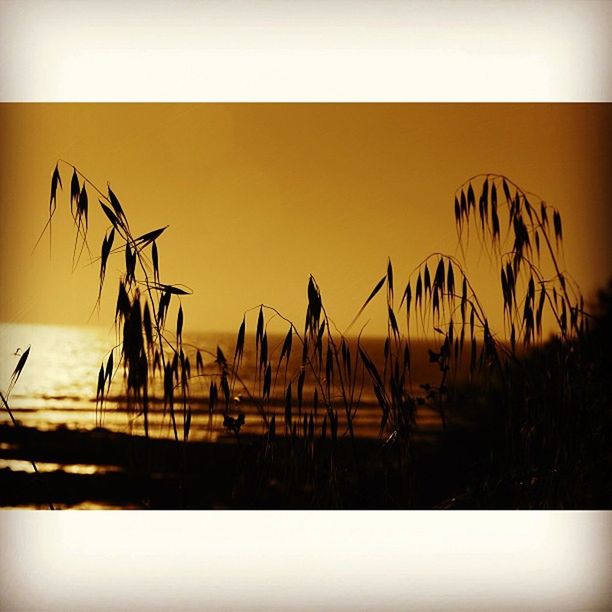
(450, 469)
(159, 473)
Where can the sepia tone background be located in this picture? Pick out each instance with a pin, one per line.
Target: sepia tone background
(259, 196)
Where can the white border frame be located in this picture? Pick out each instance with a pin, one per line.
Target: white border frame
(308, 51)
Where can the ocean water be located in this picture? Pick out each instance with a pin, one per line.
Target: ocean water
(57, 387)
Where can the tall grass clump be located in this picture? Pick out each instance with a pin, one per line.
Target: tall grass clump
(307, 389)
(549, 415)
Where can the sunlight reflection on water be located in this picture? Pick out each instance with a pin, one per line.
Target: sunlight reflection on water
(63, 361)
(69, 468)
(58, 386)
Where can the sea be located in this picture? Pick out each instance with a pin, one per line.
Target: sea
(57, 385)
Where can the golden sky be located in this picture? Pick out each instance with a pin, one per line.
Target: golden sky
(259, 196)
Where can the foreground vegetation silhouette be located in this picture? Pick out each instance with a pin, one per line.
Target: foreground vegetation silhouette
(524, 423)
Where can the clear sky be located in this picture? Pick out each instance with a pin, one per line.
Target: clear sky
(259, 196)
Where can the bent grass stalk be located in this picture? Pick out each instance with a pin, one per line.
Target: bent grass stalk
(5, 404)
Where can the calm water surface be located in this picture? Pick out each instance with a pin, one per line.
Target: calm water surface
(58, 384)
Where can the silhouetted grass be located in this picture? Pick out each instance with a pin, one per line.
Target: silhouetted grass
(540, 411)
